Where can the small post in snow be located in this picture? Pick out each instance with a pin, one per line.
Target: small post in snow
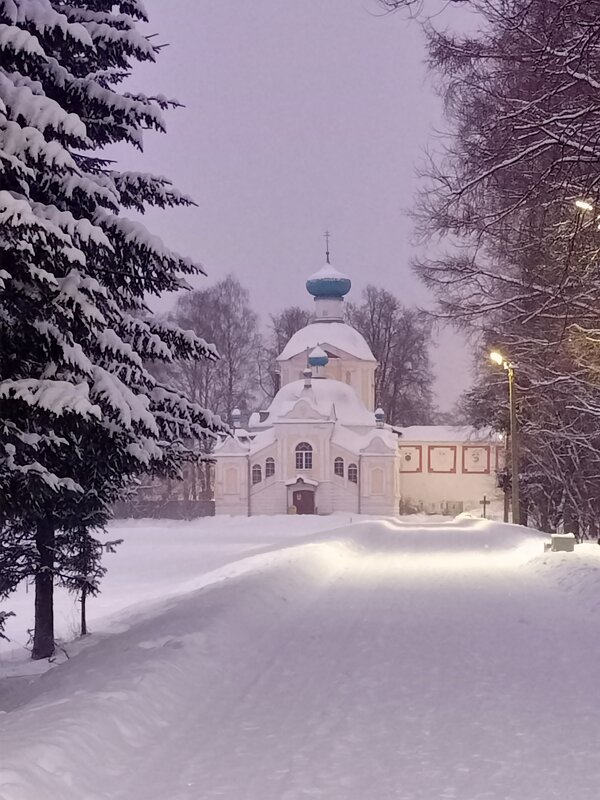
(485, 503)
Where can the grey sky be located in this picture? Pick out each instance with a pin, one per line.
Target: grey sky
(300, 116)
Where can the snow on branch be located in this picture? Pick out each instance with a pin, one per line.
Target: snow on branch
(186, 344)
(139, 189)
(29, 146)
(128, 407)
(19, 41)
(41, 112)
(42, 17)
(57, 397)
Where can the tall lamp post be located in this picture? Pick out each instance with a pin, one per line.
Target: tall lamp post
(499, 359)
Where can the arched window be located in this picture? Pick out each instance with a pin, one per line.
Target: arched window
(304, 454)
(256, 474)
(349, 378)
(338, 467)
(269, 467)
(353, 473)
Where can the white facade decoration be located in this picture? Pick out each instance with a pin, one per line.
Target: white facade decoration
(318, 447)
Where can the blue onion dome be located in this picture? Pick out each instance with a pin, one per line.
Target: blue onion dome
(318, 357)
(328, 282)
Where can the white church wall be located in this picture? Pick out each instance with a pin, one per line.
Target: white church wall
(317, 435)
(358, 374)
(324, 498)
(378, 485)
(269, 497)
(344, 494)
(231, 485)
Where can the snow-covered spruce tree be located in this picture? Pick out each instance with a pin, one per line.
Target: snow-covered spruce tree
(80, 415)
(81, 567)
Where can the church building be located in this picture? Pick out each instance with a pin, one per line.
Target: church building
(322, 446)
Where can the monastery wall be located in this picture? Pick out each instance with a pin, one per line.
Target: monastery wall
(440, 473)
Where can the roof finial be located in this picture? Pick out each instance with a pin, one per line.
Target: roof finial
(327, 235)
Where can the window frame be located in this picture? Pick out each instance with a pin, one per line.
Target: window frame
(353, 471)
(303, 456)
(256, 470)
(269, 467)
(339, 466)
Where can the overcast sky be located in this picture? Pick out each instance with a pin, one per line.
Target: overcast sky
(300, 116)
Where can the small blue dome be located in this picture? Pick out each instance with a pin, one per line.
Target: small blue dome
(328, 282)
(318, 357)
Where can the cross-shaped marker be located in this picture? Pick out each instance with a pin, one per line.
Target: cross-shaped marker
(485, 503)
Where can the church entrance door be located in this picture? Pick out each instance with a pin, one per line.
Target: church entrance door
(304, 500)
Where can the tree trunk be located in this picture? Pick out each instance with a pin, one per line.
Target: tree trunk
(571, 521)
(82, 600)
(43, 637)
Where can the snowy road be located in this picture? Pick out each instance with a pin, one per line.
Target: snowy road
(376, 663)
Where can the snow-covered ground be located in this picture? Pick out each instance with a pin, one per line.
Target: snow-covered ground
(157, 558)
(286, 658)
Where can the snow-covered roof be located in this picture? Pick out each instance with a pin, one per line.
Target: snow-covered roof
(329, 399)
(337, 335)
(262, 439)
(357, 442)
(446, 433)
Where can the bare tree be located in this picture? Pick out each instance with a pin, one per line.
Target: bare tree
(520, 268)
(223, 312)
(281, 329)
(400, 339)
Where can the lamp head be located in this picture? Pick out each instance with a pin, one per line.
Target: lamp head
(497, 358)
(584, 205)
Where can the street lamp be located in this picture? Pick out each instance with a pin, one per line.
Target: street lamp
(499, 359)
(585, 206)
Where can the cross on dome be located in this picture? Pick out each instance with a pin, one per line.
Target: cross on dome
(327, 235)
(328, 282)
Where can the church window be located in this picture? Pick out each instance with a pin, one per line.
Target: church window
(353, 473)
(338, 467)
(256, 474)
(304, 454)
(269, 467)
(349, 378)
